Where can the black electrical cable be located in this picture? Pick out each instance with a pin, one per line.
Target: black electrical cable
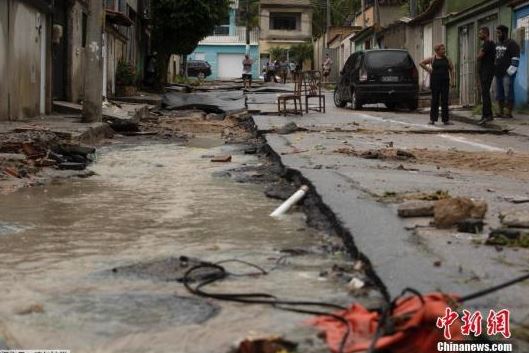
(258, 298)
(290, 305)
(493, 289)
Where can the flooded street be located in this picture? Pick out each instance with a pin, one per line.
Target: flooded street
(148, 202)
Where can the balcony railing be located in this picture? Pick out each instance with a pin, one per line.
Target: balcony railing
(239, 37)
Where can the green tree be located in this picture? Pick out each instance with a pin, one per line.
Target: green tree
(342, 11)
(302, 52)
(277, 53)
(179, 25)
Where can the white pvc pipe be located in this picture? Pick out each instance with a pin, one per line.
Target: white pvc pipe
(292, 200)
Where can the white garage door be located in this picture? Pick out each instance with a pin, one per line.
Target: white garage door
(230, 65)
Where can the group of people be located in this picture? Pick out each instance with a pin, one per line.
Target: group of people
(497, 61)
(271, 71)
(282, 69)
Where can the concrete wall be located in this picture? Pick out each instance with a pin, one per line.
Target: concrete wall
(367, 19)
(24, 62)
(173, 68)
(3, 60)
(210, 53)
(116, 51)
(390, 14)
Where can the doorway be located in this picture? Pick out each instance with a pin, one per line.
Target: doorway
(59, 46)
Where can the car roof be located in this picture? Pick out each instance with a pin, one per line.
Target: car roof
(385, 50)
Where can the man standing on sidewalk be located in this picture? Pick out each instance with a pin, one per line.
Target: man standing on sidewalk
(486, 58)
(247, 71)
(507, 60)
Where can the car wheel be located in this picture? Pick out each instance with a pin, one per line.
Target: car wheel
(390, 105)
(338, 101)
(413, 105)
(355, 103)
(201, 75)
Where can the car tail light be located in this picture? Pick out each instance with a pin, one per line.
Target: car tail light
(414, 73)
(363, 75)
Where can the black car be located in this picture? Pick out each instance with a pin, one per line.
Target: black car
(198, 68)
(386, 76)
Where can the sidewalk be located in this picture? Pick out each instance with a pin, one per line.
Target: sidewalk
(519, 125)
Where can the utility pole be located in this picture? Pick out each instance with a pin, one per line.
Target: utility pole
(363, 5)
(376, 23)
(93, 68)
(328, 23)
(248, 27)
(413, 8)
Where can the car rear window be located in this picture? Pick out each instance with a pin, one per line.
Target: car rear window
(388, 59)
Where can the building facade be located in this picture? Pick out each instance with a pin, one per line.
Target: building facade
(462, 25)
(127, 39)
(284, 23)
(224, 50)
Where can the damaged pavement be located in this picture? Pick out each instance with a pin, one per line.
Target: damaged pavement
(426, 205)
(392, 203)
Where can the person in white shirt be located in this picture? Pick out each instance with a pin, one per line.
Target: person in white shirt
(327, 66)
(247, 71)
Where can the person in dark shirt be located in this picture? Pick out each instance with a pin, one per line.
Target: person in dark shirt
(486, 57)
(506, 66)
(442, 75)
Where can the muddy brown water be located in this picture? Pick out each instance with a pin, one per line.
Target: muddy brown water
(149, 201)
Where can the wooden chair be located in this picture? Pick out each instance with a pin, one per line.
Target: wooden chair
(295, 96)
(312, 88)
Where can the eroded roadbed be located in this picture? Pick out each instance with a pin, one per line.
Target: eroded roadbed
(364, 165)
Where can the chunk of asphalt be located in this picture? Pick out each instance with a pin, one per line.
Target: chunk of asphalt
(470, 225)
(168, 269)
(288, 128)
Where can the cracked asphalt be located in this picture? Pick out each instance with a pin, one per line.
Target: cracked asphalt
(462, 159)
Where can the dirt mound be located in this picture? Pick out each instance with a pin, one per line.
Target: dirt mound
(507, 164)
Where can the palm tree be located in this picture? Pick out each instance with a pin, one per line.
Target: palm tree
(277, 53)
(302, 52)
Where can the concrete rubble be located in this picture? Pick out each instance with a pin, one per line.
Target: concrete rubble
(449, 212)
(416, 208)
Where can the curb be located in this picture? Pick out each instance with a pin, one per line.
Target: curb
(466, 119)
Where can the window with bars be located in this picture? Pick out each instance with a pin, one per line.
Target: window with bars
(285, 21)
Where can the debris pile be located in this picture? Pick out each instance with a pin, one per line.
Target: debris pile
(389, 153)
(463, 212)
(514, 230)
(24, 154)
(184, 124)
(450, 212)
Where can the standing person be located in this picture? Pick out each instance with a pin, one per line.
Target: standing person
(292, 69)
(247, 71)
(271, 71)
(507, 60)
(327, 66)
(277, 70)
(486, 57)
(441, 74)
(284, 70)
